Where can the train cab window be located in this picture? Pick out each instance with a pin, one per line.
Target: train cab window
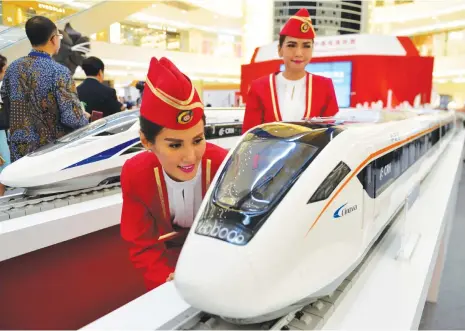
(330, 183)
(254, 179)
(260, 171)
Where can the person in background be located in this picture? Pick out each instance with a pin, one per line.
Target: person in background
(129, 103)
(95, 95)
(163, 187)
(4, 149)
(39, 94)
(140, 86)
(293, 94)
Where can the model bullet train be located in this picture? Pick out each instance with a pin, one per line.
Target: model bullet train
(94, 154)
(297, 206)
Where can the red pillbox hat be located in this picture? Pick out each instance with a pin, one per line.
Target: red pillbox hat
(299, 26)
(170, 99)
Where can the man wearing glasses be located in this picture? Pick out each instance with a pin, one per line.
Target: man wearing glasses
(39, 94)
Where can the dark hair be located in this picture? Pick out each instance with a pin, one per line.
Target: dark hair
(152, 130)
(39, 30)
(3, 62)
(92, 65)
(281, 40)
(140, 86)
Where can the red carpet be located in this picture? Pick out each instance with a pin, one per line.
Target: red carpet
(68, 285)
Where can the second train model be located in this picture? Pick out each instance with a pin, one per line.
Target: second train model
(93, 155)
(295, 208)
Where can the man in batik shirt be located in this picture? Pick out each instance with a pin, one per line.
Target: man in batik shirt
(39, 93)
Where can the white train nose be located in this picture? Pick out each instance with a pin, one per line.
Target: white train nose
(224, 271)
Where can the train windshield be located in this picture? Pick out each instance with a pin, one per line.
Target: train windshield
(259, 171)
(256, 177)
(102, 125)
(109, 125)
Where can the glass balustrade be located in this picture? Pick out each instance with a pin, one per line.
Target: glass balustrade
(16, 13)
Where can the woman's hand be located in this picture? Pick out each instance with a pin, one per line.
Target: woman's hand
(170, 277)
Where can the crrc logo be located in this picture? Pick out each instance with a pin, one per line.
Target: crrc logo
(341, 211)
(224, 131)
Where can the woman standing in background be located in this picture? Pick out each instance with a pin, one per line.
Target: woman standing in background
(4, 149)
(294, 94)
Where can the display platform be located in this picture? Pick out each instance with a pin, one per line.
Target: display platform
(389, 291)
(30, 233)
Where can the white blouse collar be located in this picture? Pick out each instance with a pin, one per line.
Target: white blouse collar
(182, 185)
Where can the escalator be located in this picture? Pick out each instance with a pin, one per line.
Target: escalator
(95, 16)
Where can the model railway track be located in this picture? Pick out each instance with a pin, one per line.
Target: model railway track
(310, 317)
(22, 205)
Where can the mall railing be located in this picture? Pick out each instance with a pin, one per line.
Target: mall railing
(15, 34)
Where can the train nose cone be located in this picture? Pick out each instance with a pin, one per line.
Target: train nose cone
(15, 174)
(217, 277)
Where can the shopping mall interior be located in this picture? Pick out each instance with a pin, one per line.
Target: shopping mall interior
(210, 40)
(221, 46)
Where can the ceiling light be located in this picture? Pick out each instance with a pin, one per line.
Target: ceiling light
(381, 12)
(142, 17)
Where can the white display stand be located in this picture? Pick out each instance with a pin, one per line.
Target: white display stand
(390, 293)
(148, 312)
(409, 240)
(391, 289)
(29, 233)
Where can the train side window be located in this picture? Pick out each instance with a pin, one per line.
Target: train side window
(447, 128)
(330, 183)
(404, 158)
(384, 172)
(428, 141)
(397, 164)
(411, 155)
(422, 141)
(366, 179)
(435, 137)
(417, 149)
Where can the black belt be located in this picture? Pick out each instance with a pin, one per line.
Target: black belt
(173, 244)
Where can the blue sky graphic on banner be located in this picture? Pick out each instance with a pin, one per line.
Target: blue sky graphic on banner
(340, 73)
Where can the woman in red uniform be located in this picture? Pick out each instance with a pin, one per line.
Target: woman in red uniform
(163, 187)
(293, 94)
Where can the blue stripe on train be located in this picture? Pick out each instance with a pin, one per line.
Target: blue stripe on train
(105, 154)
